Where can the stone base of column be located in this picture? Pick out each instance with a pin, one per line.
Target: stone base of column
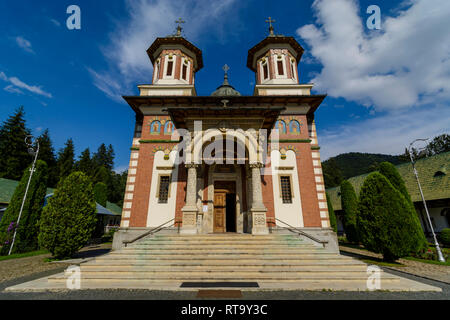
(259, 223)
(189, 220)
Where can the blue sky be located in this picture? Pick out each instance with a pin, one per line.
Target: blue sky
(385, 87)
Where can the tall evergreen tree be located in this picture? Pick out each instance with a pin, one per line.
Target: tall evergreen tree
(391, 173)
(27, 229)
(385, 219)
(101, 193)
(47, 154)
(104, 157)
(85, 163)
(66, 159)
(349, 203)
(14, 157)
(331, 215)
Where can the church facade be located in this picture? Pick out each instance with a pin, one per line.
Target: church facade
(225, 163)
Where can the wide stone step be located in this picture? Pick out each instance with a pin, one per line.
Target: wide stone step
(210, 251)
(217, 268)
(213, 244)
(241, 276)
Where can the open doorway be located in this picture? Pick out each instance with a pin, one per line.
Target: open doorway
(231, 212)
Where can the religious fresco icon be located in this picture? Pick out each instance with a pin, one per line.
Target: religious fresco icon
(294, 127)
(155, 127)
(281, 126)
(168, 128)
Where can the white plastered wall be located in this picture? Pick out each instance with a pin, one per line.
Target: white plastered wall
(159, 213)
(290, 213)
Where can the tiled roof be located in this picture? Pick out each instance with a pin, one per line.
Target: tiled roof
(7, 188)
(433, 173)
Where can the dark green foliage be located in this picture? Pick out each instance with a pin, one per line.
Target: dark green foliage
(348, 165)
(69, 219)
(102, 175)
(331, 214)
(85, 164)
(117, 188)
(439, 144)
(349, 203)
(47, 154)
(14, 157)
(385, 219)
(101, 193)
(66, 159)
(391, 173)
(104, 157)
(444, 237)
(28, 228)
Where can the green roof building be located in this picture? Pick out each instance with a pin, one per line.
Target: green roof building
(434, 178)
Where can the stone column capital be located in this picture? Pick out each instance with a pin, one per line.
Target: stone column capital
(257, 165)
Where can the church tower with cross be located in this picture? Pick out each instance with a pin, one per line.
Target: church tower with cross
(225, 162)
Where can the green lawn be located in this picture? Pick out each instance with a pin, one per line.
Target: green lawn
(446, 263)
(23, 255)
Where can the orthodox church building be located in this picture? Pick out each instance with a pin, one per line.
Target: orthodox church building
(225, 163)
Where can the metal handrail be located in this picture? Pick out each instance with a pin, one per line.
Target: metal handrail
(299, 231)
(153, 231)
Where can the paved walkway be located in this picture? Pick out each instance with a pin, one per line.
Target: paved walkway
(427, 270)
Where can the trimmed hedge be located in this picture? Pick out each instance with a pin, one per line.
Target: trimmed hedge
(349, 203)
(331, 214)
(28, 228)
(444, 237)
(385, 221)
(69, 219)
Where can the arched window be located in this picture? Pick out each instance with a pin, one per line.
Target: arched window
(168, 128)
(281, 126)
(294, 127)
(155, 127)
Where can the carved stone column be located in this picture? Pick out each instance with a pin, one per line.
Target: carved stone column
(190, 210)
(258, 210)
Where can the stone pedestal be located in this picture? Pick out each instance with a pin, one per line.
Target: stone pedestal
(190, 210)
(258, 210)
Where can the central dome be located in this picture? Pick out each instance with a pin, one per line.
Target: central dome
(225, 90)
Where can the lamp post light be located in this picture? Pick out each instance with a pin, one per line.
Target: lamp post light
(438, 249)
(34, 152)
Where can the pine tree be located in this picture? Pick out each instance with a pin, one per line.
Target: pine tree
(331, 215)
(14, 157)
(385, 219)
(104, 157)
(349, 203)
(85, 163)
(47, 154)
(69, 219)
(27, 229)
(66, 159)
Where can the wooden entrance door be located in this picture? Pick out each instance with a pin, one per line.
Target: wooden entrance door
(221, 189)
(220, 197)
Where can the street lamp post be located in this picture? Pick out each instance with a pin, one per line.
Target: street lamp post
(438, 249)
(33, 152)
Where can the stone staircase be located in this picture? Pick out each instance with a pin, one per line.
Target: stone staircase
(273, 258)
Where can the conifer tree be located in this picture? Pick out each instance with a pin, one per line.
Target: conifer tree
(385, 219)
(47, 154)
(331, 215)
(349, 203)
(14, 157)
(66, 159)
(101, 193)
(85, 163)
(69, 219)
(27, 229)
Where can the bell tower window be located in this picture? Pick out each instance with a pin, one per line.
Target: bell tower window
(184, 69)
(169, 68)
(280, 67)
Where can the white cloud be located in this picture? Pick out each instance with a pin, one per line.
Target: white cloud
(16, 84)
(56, 22)
(24, 44)
(387, 134)
(406, 63)
(147, 20)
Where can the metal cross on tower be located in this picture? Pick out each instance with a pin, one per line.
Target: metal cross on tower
(179, 28)
(226, 68)
(270, 21)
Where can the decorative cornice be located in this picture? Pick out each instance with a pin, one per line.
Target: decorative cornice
(158, 141)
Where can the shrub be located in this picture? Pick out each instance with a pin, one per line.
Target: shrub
(101, 193)
(331, 214)
(349, 203)
(108, 237)
(444, 237)
(69, 219)
(28, 228)
(385, 219)
(388, 170)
